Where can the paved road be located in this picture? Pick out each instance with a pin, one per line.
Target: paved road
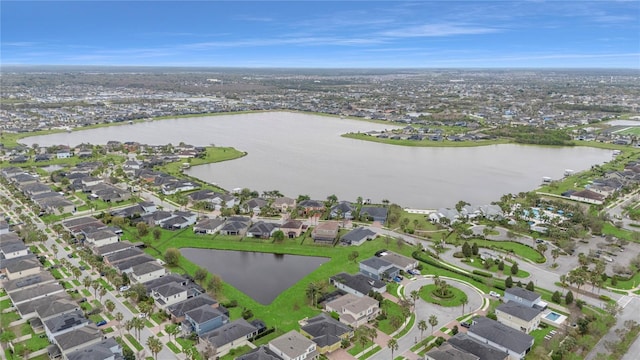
(424, 310)
(166, 353)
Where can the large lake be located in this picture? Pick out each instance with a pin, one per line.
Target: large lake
(304, 154)
(262, 276)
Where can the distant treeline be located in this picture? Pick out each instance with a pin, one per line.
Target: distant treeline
(534, 135)
(600, 108)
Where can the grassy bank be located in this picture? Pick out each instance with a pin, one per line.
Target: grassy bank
(425, 143)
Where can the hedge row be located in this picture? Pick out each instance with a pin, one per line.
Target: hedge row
(426, 259)
(482, 273)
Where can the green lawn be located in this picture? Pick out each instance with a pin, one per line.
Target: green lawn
(393, 310)
(510, 246)
(609, 229)
(173, 347)
(234, 353)
(456, 298)
(539, 334)
(8, 318)
(477, 263)
(357, 347)
(370, 353)
(5, 304)
(133, 342)
(86, 292)
(292, 303)
(105, 284)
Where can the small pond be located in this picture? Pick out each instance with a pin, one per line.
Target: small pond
(262, 276)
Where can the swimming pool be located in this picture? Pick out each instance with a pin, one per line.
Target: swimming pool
(552, 316)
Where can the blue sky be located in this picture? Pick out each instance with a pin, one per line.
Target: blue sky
(323, 34)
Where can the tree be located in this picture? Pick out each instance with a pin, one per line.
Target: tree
(422, 326)
(172, 256)
(200, 275)
(353, 256)
(530, 286)
(415, 294)
(155, 346)
(119, 317)
(214, 285)
(361, 335)
(555, 253)
(508, 282)
(157, 233)
(514, 269)
(145, 307)
(143, 229)
(172, 329)
(556, 297)
(568, 299)
(278, 236)
(95, 285)
(109, 305)
(102, 292)
(209, 352)
(86, 281)
(464, 302)
(393, 345)
(466, 249)
(501, 265)
(474, 249)
(542, 248)
(138, 325)
(54, 250)
(433, 321)
(312, 291)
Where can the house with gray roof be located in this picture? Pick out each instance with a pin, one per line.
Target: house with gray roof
(378, 268)
(377, 214)
(292, 228)
(254, 205)
(147, 271)
(27, 282)
(113, 248)
(484, 351)
(169, 294)
(127, 264)
(518, 316)
(524, 297)
(326, 332)
(358, 236)
(19, 267)
(515, 342)
(358, 284)
(126, 253)
(203, 319)
(208, 226)
(64, 323)
(400, 261)
(230, 335)
(107, 349)
(13, 249)
(342, 210)
(449, 352)
(177, 311)
(260, 353)
(262, 230)
(4, 227)
(294, 346)
(50, 307)
(78, 338)
(101, 237)
(235, 225)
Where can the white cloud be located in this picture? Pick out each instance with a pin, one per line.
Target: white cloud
(439, 30)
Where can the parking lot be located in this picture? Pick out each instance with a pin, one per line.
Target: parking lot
(607, 251)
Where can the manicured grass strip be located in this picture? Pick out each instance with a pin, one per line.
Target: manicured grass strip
(105, 285)
(173, 347)
(234, 353)
(393, 310)
(8, 318)
(130, 307)
(477, 263)
(412, 320)
(5, 304)
(358, 348)
(370, 353)
(513, 247)
(134, 342)
(455, 297)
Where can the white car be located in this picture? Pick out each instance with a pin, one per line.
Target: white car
(494, 294)
(124, 288)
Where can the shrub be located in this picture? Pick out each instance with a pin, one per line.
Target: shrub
(231, 304)
(604, 298)
(556, 297)
(458, 254)
(568, 298)
(439, 341)
(454, 329)
(482, 273)
(247, 314)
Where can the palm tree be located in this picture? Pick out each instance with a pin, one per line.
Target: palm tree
(415, 294)
(86, 281)
(422, 326)
(102, 293)
(171, 329)
(373, 333)
(119, 317)
(155, 345)
(95, 285)
(464, 302)
(393, 345)
(138, 324)
(109, 305)
(433, 321)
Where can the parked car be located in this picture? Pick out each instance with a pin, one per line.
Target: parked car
(397, 279)
(82, 267)
(102, 322)
(142, 315)
(124, 288)
(70, 256)
(494, 294)
(465, 324)
(539, 241)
